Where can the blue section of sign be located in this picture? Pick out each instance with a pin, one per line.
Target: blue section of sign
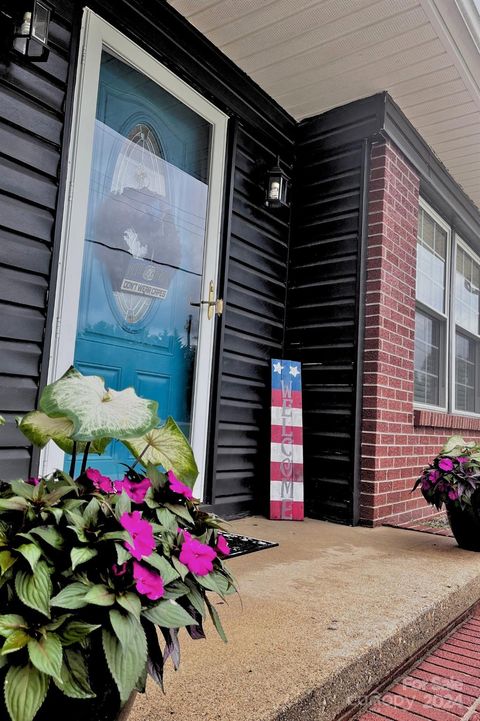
(287, 372)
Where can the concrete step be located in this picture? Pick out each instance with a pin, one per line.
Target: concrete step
(320, 621)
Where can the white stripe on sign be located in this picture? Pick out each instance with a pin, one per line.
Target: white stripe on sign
(286, 491)
(282, 451)
(287, 417)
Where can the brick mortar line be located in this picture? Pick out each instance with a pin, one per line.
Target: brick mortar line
(473, 708)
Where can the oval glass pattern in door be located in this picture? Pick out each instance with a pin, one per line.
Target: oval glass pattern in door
(144, 245)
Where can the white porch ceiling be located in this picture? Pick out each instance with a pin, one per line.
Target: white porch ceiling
(313, 55)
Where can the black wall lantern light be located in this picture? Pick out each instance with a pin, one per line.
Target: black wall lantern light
(276, 190)
(31, 35)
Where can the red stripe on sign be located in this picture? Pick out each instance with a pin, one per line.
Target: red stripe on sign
(292, 400)
(295, 435)
(286, 510)
(283, 471)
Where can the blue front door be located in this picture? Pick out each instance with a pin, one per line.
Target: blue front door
(144, 245)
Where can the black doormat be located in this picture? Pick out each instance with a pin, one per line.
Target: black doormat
(240, 545)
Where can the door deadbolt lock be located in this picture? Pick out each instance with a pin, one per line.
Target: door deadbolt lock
(214, 305)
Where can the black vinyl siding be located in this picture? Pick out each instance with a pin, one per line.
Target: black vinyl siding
(253, 333)
(322, 307)
(32, 106)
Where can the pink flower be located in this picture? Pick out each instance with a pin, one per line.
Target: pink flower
(178, 487)
(33, 481)
(149, 583)
(119, 570)
(222, 546)
(434, 476)
(452, 494)
(141, 534)
(136, 490)
(446, 464)
(463, 459)
(101, 483)
(197, 557)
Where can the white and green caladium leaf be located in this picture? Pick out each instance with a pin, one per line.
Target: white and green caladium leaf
(98, 412)
(167, 447)
(40, 429)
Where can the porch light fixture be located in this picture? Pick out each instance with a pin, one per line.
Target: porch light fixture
(277, 187)
(31, 37)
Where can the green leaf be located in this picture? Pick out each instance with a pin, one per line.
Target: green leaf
(34, 589)
(15, 503)
(6, 561)
(95, 411)
(15, 641)
(90, 514)
(31, 552)
(196, 598)
(214, 582)
(2, 421)
(50, 535)
(180, 511)
(57, 622)
(181, 568)
(169, 614)
(23, 489)
(46, 654)
(122, 505)
(122, 554)
(167, 519)
(175, 590)
(25, 691)
(81, 555)
(40, 428)
(125, 626)
(216, 619)
(126, 664)
(116, 536)
(72, 596)
(166, 447)
(11, 622)
(76, 630)
(130, 602)
(166, 570)
(100, 595)
(74, 676)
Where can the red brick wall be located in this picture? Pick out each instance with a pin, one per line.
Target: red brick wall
(396, 441)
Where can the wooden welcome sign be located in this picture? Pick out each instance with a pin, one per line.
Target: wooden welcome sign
(286, 457)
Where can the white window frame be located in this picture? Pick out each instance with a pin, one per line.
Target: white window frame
(460, 243)
(97, 35)
(447, 305)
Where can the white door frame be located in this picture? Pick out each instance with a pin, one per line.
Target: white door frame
(96, 35)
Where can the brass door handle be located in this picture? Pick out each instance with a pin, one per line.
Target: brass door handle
(214, 305)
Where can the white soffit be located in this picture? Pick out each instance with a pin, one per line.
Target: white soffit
(313, 55)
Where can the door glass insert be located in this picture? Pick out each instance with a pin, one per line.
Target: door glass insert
(144, 244)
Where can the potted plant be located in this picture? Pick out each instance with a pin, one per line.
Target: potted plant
(97, 574)
(453, 480)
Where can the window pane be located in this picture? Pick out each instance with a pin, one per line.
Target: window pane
(431, 262)
(467, 292)
(428, 332)
(465, 373)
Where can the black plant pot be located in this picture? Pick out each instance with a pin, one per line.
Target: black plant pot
(465, 523)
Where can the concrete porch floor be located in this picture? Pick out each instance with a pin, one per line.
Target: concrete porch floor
(320, 620)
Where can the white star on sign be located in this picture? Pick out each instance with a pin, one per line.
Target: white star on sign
(277, 368)
(294, 371)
